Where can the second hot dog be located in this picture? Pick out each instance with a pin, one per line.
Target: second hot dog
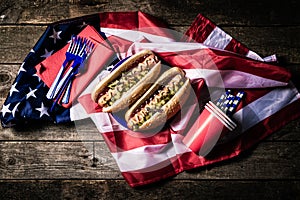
(161, 102)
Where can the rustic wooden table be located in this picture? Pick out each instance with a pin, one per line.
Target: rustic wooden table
(51, 162)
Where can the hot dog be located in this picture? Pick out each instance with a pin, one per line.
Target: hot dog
(128, 82)
(161, 102)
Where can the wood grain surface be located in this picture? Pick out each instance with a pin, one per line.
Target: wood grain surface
(48, 161)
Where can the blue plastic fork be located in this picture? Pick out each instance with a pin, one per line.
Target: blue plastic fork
(83, 48)
(70, 56)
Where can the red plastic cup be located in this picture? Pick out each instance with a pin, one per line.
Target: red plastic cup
(207, 129)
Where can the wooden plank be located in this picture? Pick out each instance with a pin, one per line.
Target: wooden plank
(284, 41)
(270, 40)
(92, 160)
(267, 160)
(17, 41)
(53, 132)
(295, 71)
(290, 132)
(49, 132)
(183, 189)
(56, 160)
(231, 12)
(7, 76)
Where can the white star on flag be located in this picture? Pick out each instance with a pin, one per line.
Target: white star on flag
(31, 93)
(43, 110)
(15, 109)
(47, 54)
(13, 89)
(22, 68)
(5, 109)
(55, 35)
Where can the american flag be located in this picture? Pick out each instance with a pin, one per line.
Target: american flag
(208, 55)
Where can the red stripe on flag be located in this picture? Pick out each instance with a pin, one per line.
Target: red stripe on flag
(119, 141)
(135, 179)
(120, 45)
(199, 29)
(223, 60)
(135, 21)
(121, 20)
(89, 105)
(170, 167)
(237, 47)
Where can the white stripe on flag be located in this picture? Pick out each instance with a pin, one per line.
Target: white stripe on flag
(136, 36)
(218, 39)
(183, 46)
(77, 112)
(231, 78)
(105, 122)
(187, 46)
(266, 106)
(253, 55)
(182, 118)
(161, 47)
(150, 156)
(271, 58)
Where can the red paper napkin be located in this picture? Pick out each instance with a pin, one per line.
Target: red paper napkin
(48, 69)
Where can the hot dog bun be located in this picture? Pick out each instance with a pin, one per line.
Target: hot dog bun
(161, 102)
(128, 82)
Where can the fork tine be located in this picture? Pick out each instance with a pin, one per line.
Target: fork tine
(87, 43)
(72, 45)
(91, 46)
(76, 46)
(83, 47)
